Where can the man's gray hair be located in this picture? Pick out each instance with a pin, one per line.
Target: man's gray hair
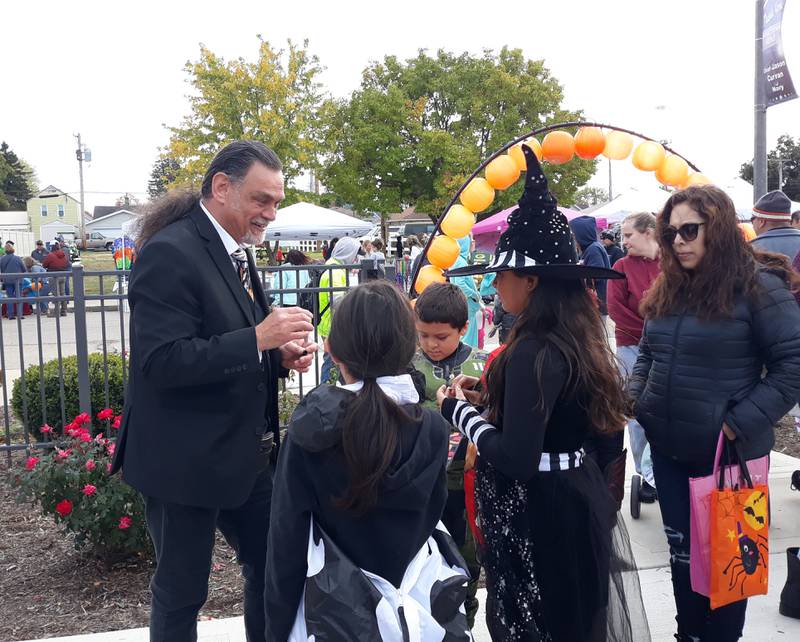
(234, 160)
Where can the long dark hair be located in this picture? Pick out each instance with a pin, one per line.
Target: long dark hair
(169, 208)
(728, 268)
(564, 316)
(372, 335)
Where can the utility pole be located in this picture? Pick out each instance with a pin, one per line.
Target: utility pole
(83, 153)
(610, 191)
(760, 141)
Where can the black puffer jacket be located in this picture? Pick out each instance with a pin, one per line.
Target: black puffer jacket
(693, 375)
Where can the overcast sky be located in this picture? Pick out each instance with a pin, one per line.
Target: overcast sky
(114, 71)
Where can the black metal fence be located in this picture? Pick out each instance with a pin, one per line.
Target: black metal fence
(64, 341)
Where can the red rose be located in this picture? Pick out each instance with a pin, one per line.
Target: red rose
(90, 466)
(46, 428)
(84, 436)
(89, 490)
(64, 507)
(83, 418)
(125, 522)
(31, 463)
(117, 421)
(105, 413)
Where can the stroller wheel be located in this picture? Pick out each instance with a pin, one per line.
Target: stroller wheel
(636, 484)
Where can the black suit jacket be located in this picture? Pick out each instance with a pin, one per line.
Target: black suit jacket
(199, 397)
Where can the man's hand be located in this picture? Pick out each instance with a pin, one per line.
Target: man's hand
(728, 432)
(296, 355)
(283, 325)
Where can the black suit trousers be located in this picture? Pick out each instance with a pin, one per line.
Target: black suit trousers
(183, 537)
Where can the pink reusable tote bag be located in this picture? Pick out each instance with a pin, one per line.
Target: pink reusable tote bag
(700, 513)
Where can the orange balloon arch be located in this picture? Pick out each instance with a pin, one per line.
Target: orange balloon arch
(503, 168)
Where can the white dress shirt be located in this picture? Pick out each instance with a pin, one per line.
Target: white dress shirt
(228, 241)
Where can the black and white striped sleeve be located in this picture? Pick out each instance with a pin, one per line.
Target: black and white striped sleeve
(467, 419)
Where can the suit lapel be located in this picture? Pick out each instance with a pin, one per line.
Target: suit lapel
(222, 261)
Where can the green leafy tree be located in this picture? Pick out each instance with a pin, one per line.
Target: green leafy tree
(17, 180)
(589, 196)
(165, 171)
(787, 153)
(415, 130)
(274, 99)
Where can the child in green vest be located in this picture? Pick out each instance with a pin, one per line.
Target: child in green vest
(441, 320)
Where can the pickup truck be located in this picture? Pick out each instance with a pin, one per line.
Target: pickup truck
(96, 241)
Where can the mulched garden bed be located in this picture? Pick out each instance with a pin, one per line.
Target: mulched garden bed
(48, 589)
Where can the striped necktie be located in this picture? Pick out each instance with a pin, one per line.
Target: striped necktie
(240, 256)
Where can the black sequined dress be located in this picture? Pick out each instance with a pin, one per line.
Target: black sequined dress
(557, 559)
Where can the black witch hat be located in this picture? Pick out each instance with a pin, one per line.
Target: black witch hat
(538, 239)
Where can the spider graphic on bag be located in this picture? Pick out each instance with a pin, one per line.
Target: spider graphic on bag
(748, 560)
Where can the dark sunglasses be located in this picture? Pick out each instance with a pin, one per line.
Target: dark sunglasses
(688, 232)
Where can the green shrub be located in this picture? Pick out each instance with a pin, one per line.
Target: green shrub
(52, 379)
(71, 483)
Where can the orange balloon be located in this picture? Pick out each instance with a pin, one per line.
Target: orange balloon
(648, 156)
(476, 197)
(458, 222)
(535, 146)
(558, 147)
(502, 172)
(589, 142)
(518, 156)
(695, 178)
(618, 145)
(673, 171)
(747, 230)
(427, 275)
(443, 251)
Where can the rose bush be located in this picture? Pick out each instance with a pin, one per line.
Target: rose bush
(72, 483)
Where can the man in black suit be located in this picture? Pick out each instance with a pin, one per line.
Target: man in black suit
(201, 415)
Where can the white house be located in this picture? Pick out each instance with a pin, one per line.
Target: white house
(110, 225)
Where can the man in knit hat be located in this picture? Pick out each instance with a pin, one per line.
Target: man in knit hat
(772, 221)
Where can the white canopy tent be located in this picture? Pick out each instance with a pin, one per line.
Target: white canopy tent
(650, 199)
(305, 221)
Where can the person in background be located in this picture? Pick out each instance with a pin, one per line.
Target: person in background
(334, 241)
(640, 267)
(796, 220)
(37, 285)
(772, 221)
(57, 261)
(279, 256)
(593, 254)
(720, 352)
(613, 250)
(398, 244)
(377, 251)
(293, 279)
(414, 247)
(324, 249)
(11, 264)
(40, 252)
(344, 252)
(366, 248)
(470, 290)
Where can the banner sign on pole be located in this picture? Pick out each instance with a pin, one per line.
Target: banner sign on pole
(778, 86)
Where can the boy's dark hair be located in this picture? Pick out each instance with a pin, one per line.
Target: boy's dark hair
(442, 303)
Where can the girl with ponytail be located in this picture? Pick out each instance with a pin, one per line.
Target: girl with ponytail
(359, 489)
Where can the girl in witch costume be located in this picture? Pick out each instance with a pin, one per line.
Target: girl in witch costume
(554, 554)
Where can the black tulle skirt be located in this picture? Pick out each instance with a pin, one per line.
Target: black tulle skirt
(557, 559)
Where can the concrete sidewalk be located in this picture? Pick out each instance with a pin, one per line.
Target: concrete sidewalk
(764, 623)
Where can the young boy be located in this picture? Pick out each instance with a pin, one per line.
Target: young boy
(441, 312)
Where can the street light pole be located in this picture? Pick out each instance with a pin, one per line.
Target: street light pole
(760, 108)
(82, 154)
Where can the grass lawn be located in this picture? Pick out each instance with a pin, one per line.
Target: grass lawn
(95, 262)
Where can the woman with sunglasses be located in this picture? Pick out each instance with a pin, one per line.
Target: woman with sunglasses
(719, 315)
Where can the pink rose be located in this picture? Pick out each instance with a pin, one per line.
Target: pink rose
(125, 522)
(108, 467)
(89, 490)
(110, 449)
(117, 421)
(90, 465)
(64, 507)
(62, 455)
(83, 418)
(46, 428)
(105, 413)
(84, 437)
(31, 463)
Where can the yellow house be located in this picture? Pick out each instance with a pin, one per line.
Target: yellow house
(52, 205)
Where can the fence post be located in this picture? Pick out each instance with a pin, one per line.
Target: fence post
(81, 339)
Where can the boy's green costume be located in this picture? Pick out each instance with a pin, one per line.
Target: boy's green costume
(472, 362)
